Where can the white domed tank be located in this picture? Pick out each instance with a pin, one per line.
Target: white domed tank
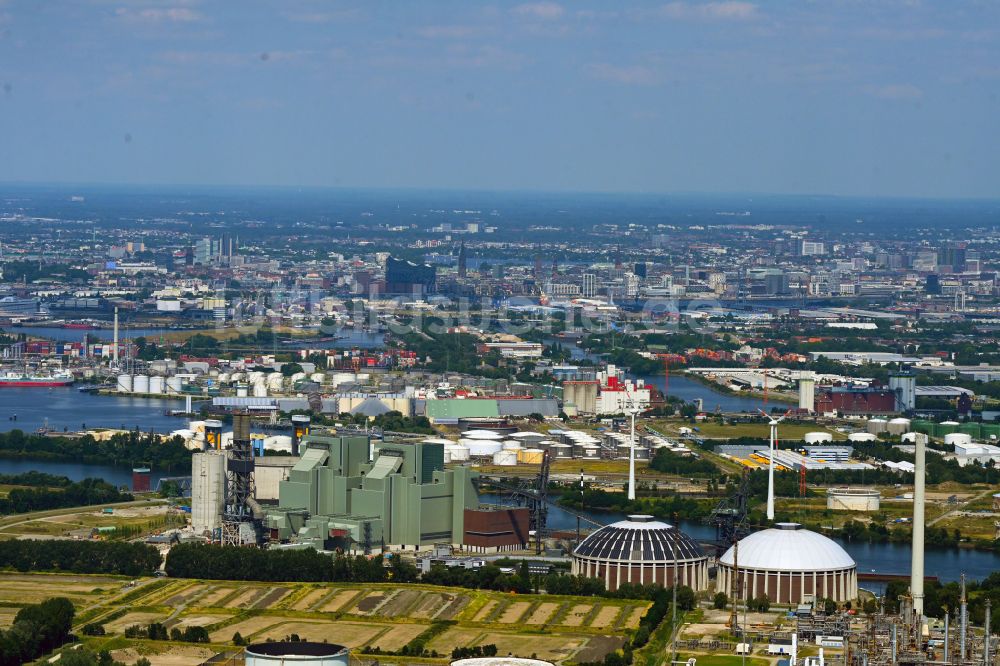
(877, 426)
(237, 377)
(296, 653)
(317, 377)
(789, 565)
(898, 426)
(459, 453)
(642, 550)
(511, 445)
(861, 437)
(156, 385)
(174, 385)
(298, 377)
(957, 438)
(124, 383)
(255, 376)
(480, 434)
(140, 384)
(817, 437)
(505, 458)
(479, 448)
(274, 381)
(342, 378)
(224, 377)
(260, 389)
(909, 437)
(242, 390)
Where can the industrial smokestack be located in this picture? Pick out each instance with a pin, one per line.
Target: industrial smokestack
(114, 349)
(917, 565)
(964, 621)
(770, 472)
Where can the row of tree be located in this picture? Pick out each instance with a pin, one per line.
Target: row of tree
(104, 557)
(194, 560)
(82, 493)
(128, 449)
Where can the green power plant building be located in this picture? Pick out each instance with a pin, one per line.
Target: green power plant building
(402, 498)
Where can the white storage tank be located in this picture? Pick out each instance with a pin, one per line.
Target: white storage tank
(208, 482)
(481, 447)
(174, 385)
(140, 384)
(282, 443)
(124, 383)
(274, 381)
(317, 377)
(877, 426)
(242, 390)
(459, 453)
(511, 445)
(487, 435)
(298, 377)
(296, 653)
(505, 458)
(957, 438)
(817, 437)
(853, 499)
(260, 389)
(898, 426)
(910, 437)
(224, 378)
(156, 385)
(861, 437)
(447, 455)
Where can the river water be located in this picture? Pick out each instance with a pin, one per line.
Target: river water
(66, 408)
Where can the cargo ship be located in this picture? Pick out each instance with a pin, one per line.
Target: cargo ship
(23, 380)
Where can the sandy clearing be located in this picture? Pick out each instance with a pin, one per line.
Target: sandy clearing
(633, 619)
(549, 648)
(339, 600)
(247, 628)
(398, 636)
(542, 614)
(606, 617)
(174, 655)
(485, 611)
(215, 596)
(119, 625)
(311, 597)
(513, 612)
(577, 614)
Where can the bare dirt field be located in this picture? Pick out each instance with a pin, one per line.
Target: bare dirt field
(513, 612)
(171, 655)
(606, 616)
(577, 614)
(339, 600)
(542, 614)
(485, 611)
(119, 625)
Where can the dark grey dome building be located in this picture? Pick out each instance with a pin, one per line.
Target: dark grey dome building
(641, 550)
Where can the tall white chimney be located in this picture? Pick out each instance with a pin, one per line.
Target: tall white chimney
(114, 349)
(917, 565)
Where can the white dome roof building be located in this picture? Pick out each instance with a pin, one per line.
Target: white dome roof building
(789, 565)
(641, 550)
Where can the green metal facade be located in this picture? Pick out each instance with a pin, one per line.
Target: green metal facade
(404, 497)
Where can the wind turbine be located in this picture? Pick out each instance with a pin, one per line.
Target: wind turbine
(770, 463)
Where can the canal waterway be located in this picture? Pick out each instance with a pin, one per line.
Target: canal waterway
(66, 408)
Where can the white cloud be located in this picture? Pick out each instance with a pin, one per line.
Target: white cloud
(726, 10)
(159, 15)
(896, 91)
(323, 17)
(632, 75)
(540, 10)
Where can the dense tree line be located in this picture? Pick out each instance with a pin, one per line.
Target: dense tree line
(192, 560)
(665, 507)
(127, 559)
(81, 493)
(37, 630)
(129, 449)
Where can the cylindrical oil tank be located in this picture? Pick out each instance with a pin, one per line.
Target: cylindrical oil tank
(505, 458)
(260, 389)
(480, 434)
(459, 452)
(817, 437)
(224, 378)
(317, 377)
(561, 451)
(641, 453)
(908, 437)
(242, 390)
(124, 383)
(174, 385)
(213, 434)
(898, 426)
(530, 456)
(156, 385)
(342, 378)
(481, 447)
(920, 425)
(254, 376)
(544, 445)
(140, 384)
(960, 438)
(296, 653)
(298, 377)
(591, 452)
(861, 437)
(237, 377)
(877, 426)
(511, 445)
(274, 381)
(853, 499)
(973, 428)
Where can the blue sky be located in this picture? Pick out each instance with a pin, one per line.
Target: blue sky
(869, 97)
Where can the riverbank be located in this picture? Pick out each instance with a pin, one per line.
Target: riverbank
(772, 396)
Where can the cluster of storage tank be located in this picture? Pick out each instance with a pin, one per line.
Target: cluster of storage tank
(150, 384)
(896, 426)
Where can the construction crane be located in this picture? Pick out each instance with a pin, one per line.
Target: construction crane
(730, 515)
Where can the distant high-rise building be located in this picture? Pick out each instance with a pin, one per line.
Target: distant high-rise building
(462, 270)
(954, 256)
(812, 248)
(589, 288)
(406, 277)
(933, 284)
(640, 269)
